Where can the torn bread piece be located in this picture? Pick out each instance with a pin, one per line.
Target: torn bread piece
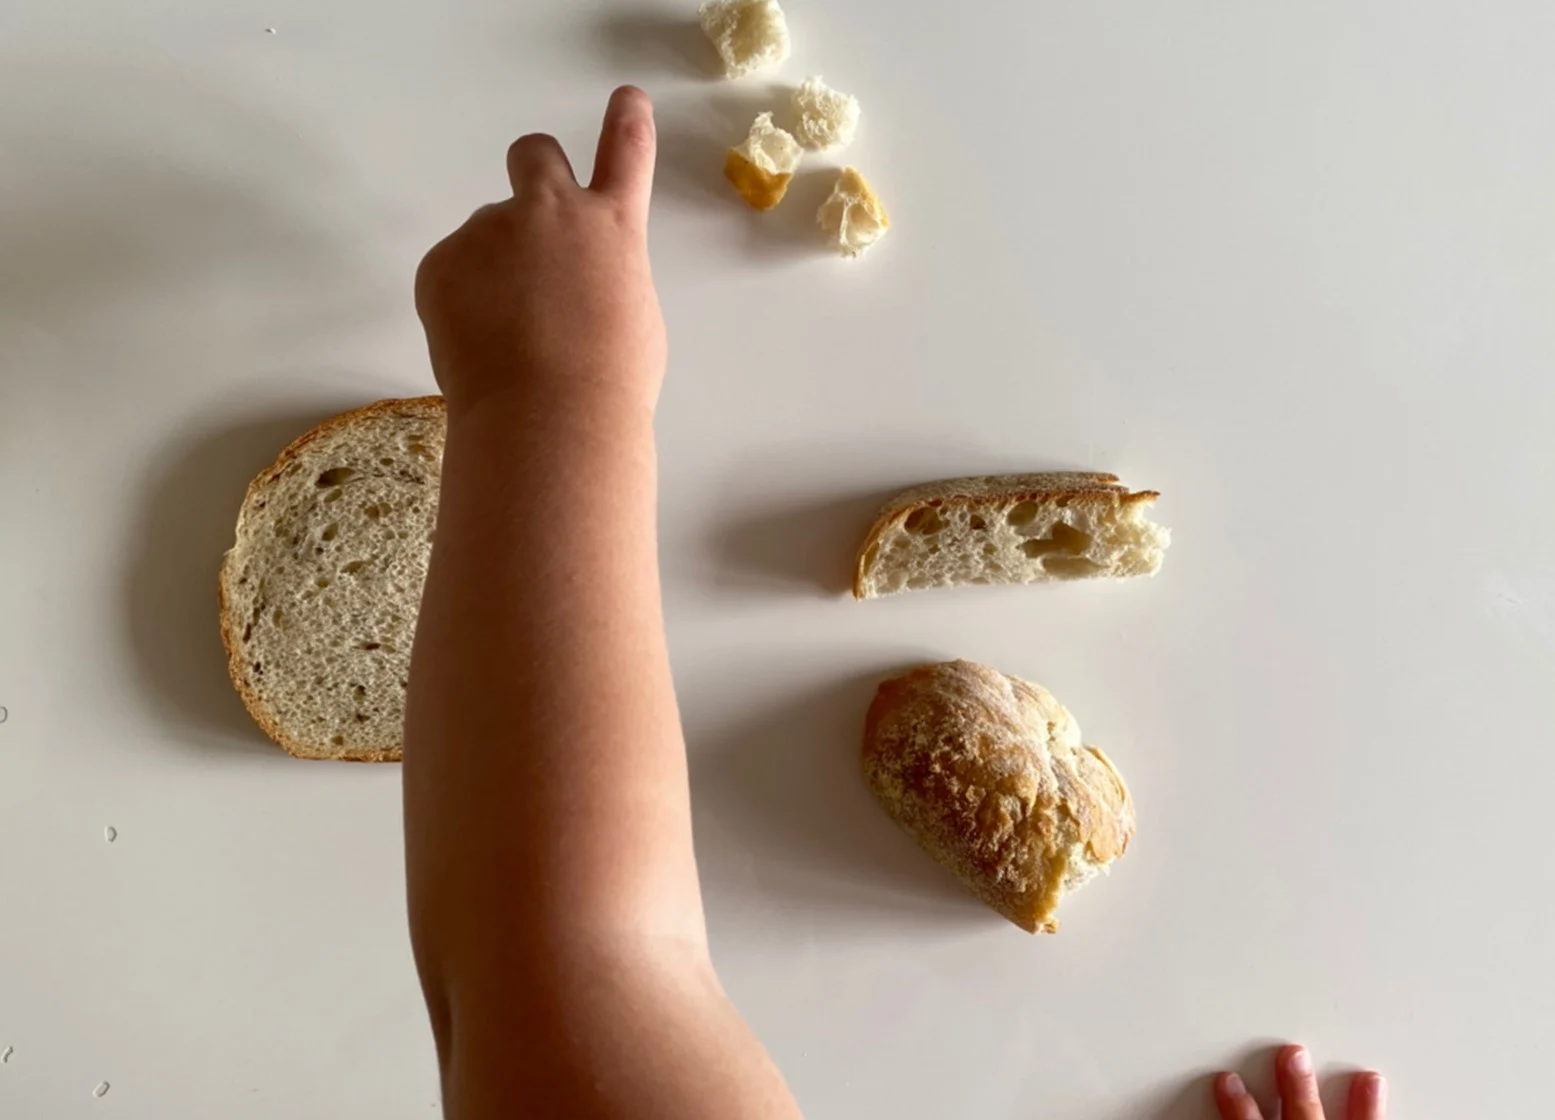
(763, 165)
(1023, 528)
(750, 34)
(853, 217)
(824, 118)
(989, 774)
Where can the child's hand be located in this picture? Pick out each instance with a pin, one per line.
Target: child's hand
(546, 298)
(1367, 1100)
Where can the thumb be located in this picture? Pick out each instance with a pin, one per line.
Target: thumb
(623, 166)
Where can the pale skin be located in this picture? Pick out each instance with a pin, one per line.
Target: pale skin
(555, 910)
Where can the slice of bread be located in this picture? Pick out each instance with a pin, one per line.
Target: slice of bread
(824, 117)
(320, 593)
(750, 34)
(1021, 528)
(853, 218)
(989, 775)
(762, 167)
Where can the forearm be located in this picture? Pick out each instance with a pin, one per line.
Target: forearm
(545, 781)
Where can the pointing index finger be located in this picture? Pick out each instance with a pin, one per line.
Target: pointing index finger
(623, 166)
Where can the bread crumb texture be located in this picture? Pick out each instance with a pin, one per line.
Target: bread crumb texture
(1001, 529)
(750, 34)
(320, 592)
(824, 118)
(853, 217)
(989, 775)
(763, 165)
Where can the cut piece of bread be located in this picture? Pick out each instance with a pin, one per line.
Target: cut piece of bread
(989, 775)
(763, 165)
(319, 594)
(853, 218)
(750, 34)
(1020, 528)
(824, 117)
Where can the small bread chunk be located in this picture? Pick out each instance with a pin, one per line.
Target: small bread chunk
(749, 34)
(826, 118)
(1023, 528)
(853, 218)
(320, 593)
(763, 165)
(989, 775)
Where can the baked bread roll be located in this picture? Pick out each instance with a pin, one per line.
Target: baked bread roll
(320, 593)
(988, 774)
(1022, 528)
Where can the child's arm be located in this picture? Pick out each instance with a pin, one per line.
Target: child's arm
(554, 904)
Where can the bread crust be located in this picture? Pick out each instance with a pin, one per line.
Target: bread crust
(989, 492)
(761, 190)
(988, 774)
(411, 408)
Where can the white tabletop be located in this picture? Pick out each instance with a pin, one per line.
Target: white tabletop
(1291, 264)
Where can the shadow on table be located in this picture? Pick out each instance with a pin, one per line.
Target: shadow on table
(650, 42)
(802, 546)
(184, 523)
(782, 814)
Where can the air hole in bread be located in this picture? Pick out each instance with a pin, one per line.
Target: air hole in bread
(331, 531)
(332, 496)
(353, 567)
(248, 631)
(918, 583)
(925, 522)
(1075, 540)
(1062, 539)
(1070, 567)
(385, 462)
(1023, 514)
(275, 616)
(370, 646)
(372, 512)
(977, 524)
(360, 692)
(336, 476)
(338, 740)
(322, 582)
(359, 717)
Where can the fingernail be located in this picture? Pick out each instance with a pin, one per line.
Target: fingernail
(1233, 1086)
(1300, 1060)
(1377, 1089)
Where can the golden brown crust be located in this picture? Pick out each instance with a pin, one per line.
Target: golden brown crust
(762, 190)
(987, 773)
(422, 408)
(1071, 488)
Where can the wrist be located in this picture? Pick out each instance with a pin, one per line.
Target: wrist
(534, 406)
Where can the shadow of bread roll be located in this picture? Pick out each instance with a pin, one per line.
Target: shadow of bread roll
(988, 774)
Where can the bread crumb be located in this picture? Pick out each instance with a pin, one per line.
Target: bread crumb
(824, 117)
(750, 34)
(853, 217)
(760, 169)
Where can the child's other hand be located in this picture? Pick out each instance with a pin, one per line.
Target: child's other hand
(547, 299)
(1367, 1100)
